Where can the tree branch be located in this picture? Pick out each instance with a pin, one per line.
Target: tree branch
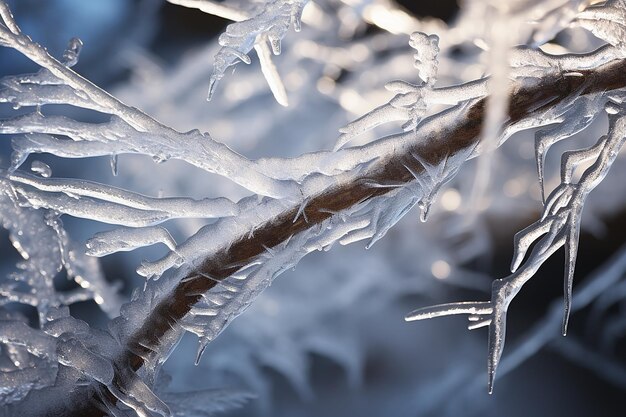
(526, 100)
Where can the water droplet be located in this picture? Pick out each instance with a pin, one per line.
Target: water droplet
(41, 168)
(72, 52)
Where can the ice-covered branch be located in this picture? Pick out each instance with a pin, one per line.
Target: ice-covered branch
(318, 199)
(411, 101)
(108, 204)
(358, 205)
(57, 83)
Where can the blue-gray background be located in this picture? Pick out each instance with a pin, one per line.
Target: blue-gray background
(546, 384)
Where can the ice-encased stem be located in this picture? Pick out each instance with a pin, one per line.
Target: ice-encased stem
(461, 135)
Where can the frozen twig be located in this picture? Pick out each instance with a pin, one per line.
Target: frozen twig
(151, 339)
(58, 83)
(558, 226)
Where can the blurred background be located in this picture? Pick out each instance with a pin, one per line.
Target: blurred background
(329, 339)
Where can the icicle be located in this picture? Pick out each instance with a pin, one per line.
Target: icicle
(271, 74)
(301, 211)
(473, 308)
(571, 250)
(202, 345)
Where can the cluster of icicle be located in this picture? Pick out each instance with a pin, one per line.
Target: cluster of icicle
(559, 225)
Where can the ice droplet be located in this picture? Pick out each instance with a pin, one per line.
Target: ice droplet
(72, 52)
(41, 168)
